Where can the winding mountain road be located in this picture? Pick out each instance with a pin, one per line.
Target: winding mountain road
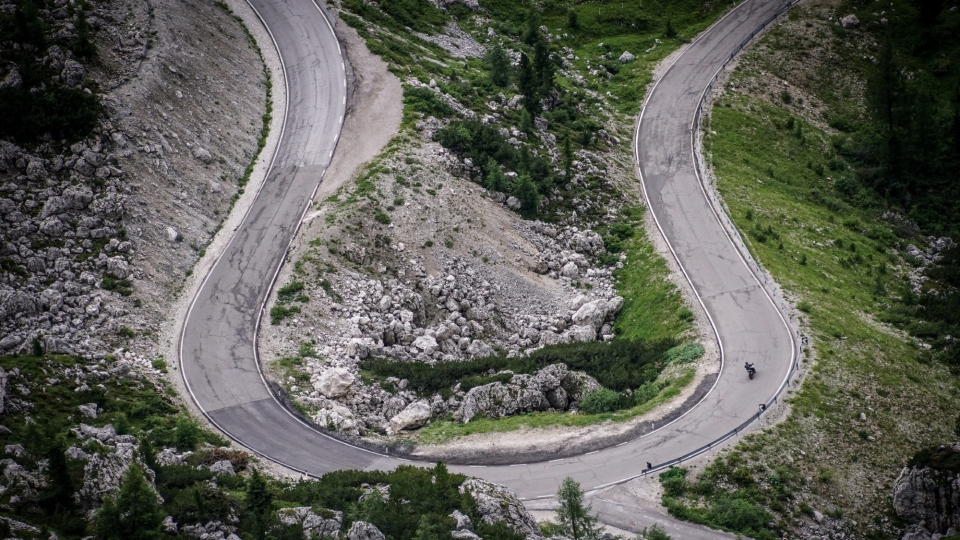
(218, 339)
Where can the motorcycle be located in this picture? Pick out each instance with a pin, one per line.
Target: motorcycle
(751, 371)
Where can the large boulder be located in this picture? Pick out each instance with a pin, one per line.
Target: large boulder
(551, 376)
(315, 521)
(496, 400)
(334, 382)
(579, 385)
(497, 504)
(850, 22)
(412, 416)
(361, 530)
(928, 494)
(596, 312)
(73, 73)
(336, 417)
(427, 344)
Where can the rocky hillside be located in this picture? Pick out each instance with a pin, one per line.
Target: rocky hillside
(102, 221)
(490, 227)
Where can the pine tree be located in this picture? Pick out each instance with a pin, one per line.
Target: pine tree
(135, 514)
(531, 32)
(528, 196)
(526, 122)
(543, 68)
(495, 179)
(574, 518)
(29, 25)
(259, 498)
(82, 44)
(499, 66)
(58, 494)
(527, 84)
(573, 21)
(147, 454)
(670, 32)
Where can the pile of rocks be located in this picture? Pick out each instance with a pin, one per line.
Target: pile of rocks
(62, 236)
(454, 40)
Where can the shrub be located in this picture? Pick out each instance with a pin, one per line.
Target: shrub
(738, 515)
(425, 101)
(604, 401)
(685, 353)
(160, 365)
(382, 217)
(674, 481)
(279, 313)
(618, 365)
(289, 291)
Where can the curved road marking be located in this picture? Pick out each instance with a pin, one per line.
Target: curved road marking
(224, 376)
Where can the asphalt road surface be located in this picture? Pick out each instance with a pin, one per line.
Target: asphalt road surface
(218, 346)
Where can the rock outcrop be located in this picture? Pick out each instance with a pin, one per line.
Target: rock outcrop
(318, 522)
(553, 387)
(927, 494)
(497, 504)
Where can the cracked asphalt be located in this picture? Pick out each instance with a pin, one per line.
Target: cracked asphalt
(218, 340)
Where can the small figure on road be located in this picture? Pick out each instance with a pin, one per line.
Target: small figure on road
(751, 371)
(649, 465)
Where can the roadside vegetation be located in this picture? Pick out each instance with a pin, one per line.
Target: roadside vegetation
(804, 169)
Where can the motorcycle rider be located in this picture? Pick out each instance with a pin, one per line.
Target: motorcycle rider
(750, 369)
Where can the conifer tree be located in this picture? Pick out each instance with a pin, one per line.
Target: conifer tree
(135, 513)
(528, 196)
(573, 516)
(528, 86)
(499, 66)
(531, 31)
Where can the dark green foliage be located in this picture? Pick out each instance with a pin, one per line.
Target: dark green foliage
(135, 514)
(656, 532)
(290, 291)
(279, 313)
(65, 113)
(670, 31)
(529, 86)
(618, 365)
(527, 193)
(483, 144)
(187, 434)
(499, 64)
(573, 20)
(36, 347)
(495, 179)
(531, 29)
(674, 481)
(603, 401)
(82, 45)
(427, 102)
(941, 458)
(27, 26)
(730, 494)
(573, 516)
(122, 286)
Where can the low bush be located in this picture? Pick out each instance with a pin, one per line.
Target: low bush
(619, 365)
